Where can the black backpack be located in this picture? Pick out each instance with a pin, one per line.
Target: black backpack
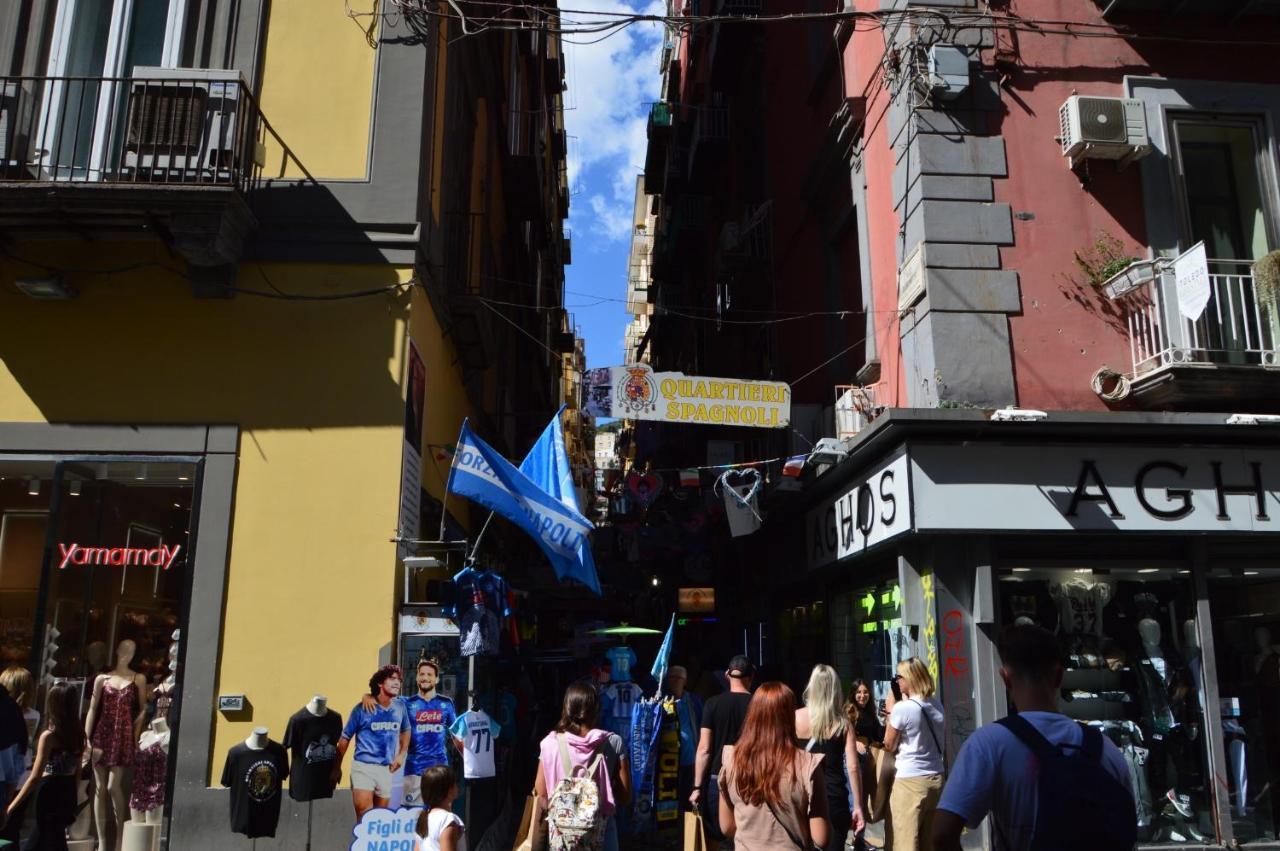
(1079, 804)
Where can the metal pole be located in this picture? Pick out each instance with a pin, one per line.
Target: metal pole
(479, 537)
(444, 500)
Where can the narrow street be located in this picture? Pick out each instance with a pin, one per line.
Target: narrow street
(599, 425)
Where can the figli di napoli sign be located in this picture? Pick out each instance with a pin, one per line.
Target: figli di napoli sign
(162, 556)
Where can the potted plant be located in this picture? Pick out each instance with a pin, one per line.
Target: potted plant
(1110, 269)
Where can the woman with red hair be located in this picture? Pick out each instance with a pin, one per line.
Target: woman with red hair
(772, 792)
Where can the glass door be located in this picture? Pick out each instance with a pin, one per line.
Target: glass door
(1246, 638)
(96, 42)
(1222, 169)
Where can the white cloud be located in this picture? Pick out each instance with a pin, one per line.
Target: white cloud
(610, 218)
(611, 85)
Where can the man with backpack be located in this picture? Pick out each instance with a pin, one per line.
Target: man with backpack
(1048, 782)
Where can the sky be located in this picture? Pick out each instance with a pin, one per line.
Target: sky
(611, 86)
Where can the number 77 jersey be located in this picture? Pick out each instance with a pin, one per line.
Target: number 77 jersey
(478, 732)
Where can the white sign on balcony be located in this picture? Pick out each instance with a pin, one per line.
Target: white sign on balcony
(1191, 275)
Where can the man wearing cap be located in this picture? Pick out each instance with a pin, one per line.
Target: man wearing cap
(722, 719)
(689, 712)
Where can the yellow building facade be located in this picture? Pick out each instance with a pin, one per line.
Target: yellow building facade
(229, 230)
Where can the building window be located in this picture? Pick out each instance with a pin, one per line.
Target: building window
(1132, 670)
(1225, 190)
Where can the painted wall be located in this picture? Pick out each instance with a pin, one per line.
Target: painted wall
(321, 109)
(317, 390)
(864, 78)
(1066, 330)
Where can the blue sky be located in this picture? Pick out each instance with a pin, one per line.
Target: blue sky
(611, 85)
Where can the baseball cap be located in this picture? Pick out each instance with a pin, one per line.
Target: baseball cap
(740, 667)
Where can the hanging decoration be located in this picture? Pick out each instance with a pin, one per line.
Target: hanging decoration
(644, 489)
(740, 490)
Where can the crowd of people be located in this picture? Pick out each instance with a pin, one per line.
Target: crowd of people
(769, 772)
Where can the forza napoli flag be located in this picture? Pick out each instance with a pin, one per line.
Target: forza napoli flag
(547, 466)
(482, 475)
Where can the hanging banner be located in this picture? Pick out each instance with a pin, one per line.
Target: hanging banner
(636, 392)
(1191, 275)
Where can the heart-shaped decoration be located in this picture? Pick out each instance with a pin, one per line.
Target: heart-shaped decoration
(645, 488)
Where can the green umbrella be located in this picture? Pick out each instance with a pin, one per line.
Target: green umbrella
(626, 630)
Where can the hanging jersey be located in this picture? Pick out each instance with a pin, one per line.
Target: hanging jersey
(478, 732)
(1080, 606)
(620, 661)
(619, 699)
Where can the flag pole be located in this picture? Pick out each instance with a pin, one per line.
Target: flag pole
(480, 537)
(444, 500)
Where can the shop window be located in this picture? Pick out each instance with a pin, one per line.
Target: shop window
(1132, 670)
(26, 489)
(869, 636)
(1246, 639)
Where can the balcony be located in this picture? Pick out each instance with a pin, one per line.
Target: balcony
(171, 153)
(1228, 355)
(655, 161)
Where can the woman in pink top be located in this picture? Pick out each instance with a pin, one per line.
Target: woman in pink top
(578, 717)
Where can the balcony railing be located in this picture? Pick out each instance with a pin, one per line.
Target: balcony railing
(203, 128)
(1238, 326)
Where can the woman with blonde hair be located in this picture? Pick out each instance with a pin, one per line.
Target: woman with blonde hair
(914, 735)
(772, 794)
(823, 726)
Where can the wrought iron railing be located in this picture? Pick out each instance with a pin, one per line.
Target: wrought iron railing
(205, 129)
(1240, 325)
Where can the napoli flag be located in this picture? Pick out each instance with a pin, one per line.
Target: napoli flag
(547, 466)
(663, 659)
(481, 474)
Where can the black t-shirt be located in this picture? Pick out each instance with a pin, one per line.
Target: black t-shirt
(312, 741)
(723, 716)
(255, 778)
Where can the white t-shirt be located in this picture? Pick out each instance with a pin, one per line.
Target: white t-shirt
(478, 732)
(437, 821)
(995, 772)
(918, 754)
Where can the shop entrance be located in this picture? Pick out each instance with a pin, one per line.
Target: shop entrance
(94, 555)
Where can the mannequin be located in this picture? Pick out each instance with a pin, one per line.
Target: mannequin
(112, 728)
(621, 694)
(151, 762)
(1195, 664)
(1262, 638)
(317, 705)
(1149, 632)
(257, 739)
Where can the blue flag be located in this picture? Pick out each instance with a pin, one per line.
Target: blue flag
(547, 466)
(481, 474)
(663, 659)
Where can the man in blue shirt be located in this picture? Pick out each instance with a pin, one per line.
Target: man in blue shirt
(381, 735)
(431, 715)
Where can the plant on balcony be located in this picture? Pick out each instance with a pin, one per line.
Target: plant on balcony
(1266, 279)
(1104, 259)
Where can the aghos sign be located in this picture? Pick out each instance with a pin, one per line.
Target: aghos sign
(162, 556)
(636, 392)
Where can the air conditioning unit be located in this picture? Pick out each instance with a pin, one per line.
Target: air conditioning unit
(1104, 128)
(14, 125)
(184, 122)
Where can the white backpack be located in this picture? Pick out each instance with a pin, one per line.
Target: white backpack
(574, 819)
